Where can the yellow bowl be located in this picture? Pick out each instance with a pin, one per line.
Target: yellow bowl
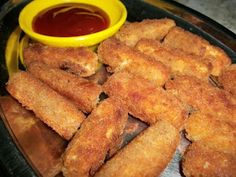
(115, 10)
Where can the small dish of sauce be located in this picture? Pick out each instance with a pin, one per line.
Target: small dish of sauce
(69, 20)
(72, 23)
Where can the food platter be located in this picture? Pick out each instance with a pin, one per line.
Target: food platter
(14, 161)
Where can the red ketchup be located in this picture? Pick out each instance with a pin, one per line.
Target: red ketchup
(70, 20)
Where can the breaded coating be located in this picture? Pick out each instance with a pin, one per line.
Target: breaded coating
(87, 150)
(121, 57)
(228, 79)
(207, 130)
(204, 97)
(50, 107)
(100, 76)
(147, 155)
(131, 33)
(82, 92)
(81, 61)
(178, 61)
(144, 100)
(194, 44)
(202, 161)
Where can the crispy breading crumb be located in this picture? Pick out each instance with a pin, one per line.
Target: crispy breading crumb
(144, 100)
(82, 92)
(182, 39)
(98, 134)
(156, 29)
(81, 60)
(202, 161)
(147, 155)
(52, 108)
(120, 57)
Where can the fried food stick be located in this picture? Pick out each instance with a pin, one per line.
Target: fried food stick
(144, 100)
(81, 61)
(178, 61)
(227, 79)
(202, 161)
(82, 92)
(208, 131)
(50, 107)
(180, 39)
(131, 33)
(121, 57)
(97, 135)
(203, 97)
(147, 155)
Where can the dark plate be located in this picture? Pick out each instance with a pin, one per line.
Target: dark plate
(12, 161)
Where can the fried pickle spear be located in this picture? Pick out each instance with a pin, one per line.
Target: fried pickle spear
(81, 61)
(97, 135)
(131, 33)
(202, 161)
(211, 132)
(147, 155)
(53, 109)
(203, 97)
(82, 92)
(228, 79)
(144, 100)
(178, 61)
(180, 39)
(121, 57)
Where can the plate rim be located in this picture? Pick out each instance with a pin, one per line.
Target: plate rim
(7, 143)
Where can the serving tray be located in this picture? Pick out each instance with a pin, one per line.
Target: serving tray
(14, 159)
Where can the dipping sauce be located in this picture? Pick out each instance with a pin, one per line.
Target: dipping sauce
(69, 20)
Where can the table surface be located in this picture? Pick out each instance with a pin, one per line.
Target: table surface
(222, 11)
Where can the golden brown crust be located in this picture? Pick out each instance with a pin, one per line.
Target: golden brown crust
(131, 33)
(228, 79)
(81, 61)
(52, 108)
(100, 76)
(121, 57)
(160, 74)
(208, 131)
(204, 97)
(202, 161)
(144, 100)
(194, 44)
(82, 92)
(99, 132)
(178, 61)
(147, 155)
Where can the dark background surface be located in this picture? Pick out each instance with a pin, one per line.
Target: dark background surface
(2, 2)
